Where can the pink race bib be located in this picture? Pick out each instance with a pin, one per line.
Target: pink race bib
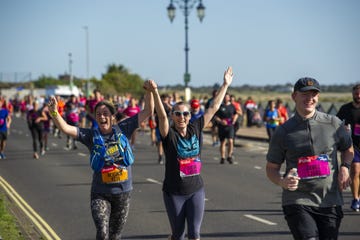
(313, 166)
(229, 121)
(189, 166)
(357, 129)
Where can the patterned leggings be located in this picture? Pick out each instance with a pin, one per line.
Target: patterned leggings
(109, 212)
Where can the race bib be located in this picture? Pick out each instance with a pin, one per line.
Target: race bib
(189, 166)
(357, 129)
(113, 174)
(313, 166)
(229, 121)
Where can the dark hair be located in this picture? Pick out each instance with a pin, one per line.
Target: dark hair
(108, 104)
(356, 86)
(120, 116)
(178, 104)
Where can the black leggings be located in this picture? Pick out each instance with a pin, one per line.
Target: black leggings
(37, 135)
(190, 207)
(109, 212)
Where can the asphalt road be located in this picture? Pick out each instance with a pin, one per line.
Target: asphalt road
(240, 201)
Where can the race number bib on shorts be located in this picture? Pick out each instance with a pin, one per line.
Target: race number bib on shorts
(189, 166)
(113, 174)
(357, 129)
(313, 166)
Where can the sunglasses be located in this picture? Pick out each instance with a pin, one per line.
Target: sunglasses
(185, 113)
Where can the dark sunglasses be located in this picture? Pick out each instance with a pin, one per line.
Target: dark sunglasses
(185, 113)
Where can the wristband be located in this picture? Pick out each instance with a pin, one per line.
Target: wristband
(344, 164)
(54, 113)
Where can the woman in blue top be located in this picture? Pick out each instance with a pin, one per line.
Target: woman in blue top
(183, 187)
(110, 158)
(271, 118)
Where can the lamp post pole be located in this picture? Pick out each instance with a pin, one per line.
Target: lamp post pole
(86, 28)
(70, 73)
(186, 6)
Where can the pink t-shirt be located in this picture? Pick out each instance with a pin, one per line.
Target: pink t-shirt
(131, 111)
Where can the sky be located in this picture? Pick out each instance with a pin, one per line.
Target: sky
(267, 42)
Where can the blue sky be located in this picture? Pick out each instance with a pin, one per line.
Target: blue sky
(266, 41)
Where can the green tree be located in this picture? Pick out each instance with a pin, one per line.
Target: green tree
(118, 80)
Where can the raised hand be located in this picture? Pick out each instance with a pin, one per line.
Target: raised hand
(53, 104)
(228, 76)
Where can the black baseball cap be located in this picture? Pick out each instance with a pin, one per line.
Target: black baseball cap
(307, 84)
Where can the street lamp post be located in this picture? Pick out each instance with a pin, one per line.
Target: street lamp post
(186, 6)
(70, 73)
(86, 28)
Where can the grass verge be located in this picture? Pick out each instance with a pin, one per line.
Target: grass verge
(9, 229)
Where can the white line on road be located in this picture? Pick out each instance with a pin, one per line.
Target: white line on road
(82, 154)
(153, 181)
(260, 219)
(257, 167)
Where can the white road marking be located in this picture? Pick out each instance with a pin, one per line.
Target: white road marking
(153, 181)
(257, 167)
(82, 154)
(259, 219)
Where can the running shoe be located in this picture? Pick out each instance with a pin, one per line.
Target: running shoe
(230, 160)
(161, 159)
(36, 156)
(2, 156)
(355, 205)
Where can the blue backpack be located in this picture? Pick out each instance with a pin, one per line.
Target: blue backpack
(98, 154)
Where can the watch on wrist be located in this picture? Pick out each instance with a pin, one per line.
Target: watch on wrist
(344, 164)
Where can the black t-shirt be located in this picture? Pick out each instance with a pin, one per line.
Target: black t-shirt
(226, 111)
(351, 115)
(183, 160)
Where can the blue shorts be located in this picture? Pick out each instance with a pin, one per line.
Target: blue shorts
(158, 135)
(356, 156)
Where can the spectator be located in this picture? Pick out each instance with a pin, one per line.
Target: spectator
(271, 118)
(196, 111)
(250, 107)
(283, 113)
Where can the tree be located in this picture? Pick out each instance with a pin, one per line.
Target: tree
(118, 80)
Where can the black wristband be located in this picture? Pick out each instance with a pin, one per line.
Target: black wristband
(344, 164)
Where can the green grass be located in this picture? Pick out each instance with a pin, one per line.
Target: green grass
(8, 227)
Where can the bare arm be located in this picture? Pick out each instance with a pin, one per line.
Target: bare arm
(160, 110)
(8, 121)
(289, 182)
(59, 121)
(228, 76)
(344, 176)
(149, 105)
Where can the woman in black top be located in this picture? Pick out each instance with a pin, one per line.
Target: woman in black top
(183, 188)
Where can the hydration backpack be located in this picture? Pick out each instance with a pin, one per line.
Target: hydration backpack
(98, 154)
